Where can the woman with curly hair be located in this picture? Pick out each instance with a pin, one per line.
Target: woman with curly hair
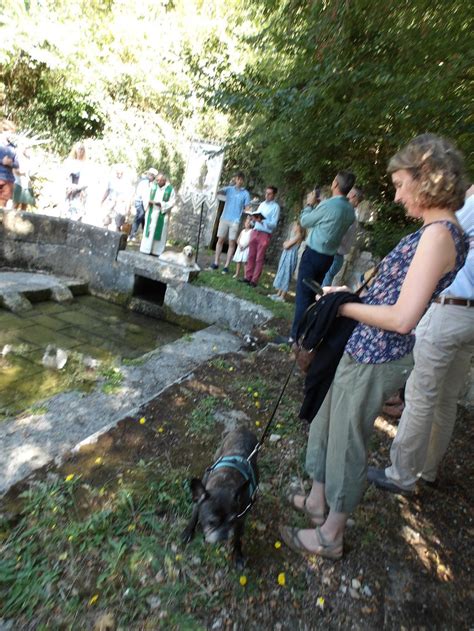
(428, 176)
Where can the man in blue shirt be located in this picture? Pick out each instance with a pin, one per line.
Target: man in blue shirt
(327, 223)
(266, 219)
(236, 199)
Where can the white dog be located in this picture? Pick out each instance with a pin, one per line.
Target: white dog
(184, 258)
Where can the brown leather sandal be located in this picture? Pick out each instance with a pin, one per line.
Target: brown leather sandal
(325, 550)
(317, 519)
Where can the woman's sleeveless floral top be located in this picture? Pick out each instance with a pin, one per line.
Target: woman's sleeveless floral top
(371, 345)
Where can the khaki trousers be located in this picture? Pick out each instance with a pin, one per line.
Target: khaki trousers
(338, 439)
(443, 350)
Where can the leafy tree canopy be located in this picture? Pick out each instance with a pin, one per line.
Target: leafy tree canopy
(296, 89)
(335, 84)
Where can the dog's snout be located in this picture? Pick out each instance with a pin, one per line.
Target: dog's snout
(218, 535)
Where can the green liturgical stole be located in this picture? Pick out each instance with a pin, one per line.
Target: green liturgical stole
(161, 217)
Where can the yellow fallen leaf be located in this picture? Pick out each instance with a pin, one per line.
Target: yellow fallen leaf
(282, 579)
(277, 544)
(243, 580)
(98, 460)
(93, 600)
(161, 430)
(256, 395)
(69, 477)
(257, 404)
(257, 423)
(142, 421)
(320, 602)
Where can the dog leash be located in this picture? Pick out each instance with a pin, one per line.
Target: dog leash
(240, 463)
(259, 444)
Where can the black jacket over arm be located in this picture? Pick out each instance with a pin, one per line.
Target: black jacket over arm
(321, 328)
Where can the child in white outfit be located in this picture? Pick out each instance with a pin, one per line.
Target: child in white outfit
(242, 252)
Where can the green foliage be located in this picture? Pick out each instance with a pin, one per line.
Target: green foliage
(81, 69)
(332, 85)
(113, 379)
(45, 103)
(295, 90)
(45, 560)
(202, 417)
(385, 233)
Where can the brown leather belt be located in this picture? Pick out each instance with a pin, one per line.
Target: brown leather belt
(460, 302)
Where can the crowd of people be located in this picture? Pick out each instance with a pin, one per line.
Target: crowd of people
(431, 264)
(382, 352)
(107, 197)
(318, 240)
(250, 246)
(112, 198)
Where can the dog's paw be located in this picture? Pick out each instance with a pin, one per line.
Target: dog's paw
(187, 535)
(239, 561)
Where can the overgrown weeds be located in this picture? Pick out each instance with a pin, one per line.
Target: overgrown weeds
(202, 417)
(75, 548)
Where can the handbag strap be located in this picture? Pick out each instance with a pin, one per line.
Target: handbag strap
(371, 276)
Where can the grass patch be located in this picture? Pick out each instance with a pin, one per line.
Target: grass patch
(229, 285)
(118, 553)
(220, 363)
(136, 361)
(256, 388)
(202, 417)
(112, 380)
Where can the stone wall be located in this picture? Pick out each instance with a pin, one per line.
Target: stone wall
(215, 307)
(186, 217)
(31, 241)
(96, 256)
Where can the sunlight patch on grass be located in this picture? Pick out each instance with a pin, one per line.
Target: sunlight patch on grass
(384, 426)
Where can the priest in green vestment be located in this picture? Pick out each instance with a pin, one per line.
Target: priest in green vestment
(161, 200)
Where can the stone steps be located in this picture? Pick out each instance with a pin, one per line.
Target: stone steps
(19, 289)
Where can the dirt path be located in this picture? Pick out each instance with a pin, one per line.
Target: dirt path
(99, 539)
